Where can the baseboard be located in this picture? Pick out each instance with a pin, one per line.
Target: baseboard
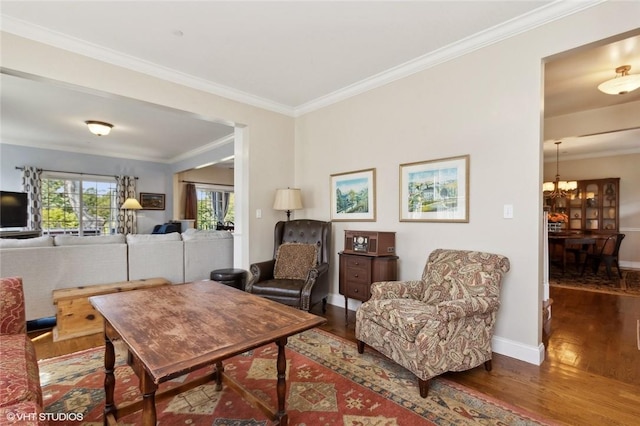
(511, 348)
(338, 300)
(629, 265)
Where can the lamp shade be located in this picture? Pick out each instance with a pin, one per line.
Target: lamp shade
(131, 204)
(288, 199)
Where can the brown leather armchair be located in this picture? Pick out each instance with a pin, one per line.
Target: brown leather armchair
(312, 286)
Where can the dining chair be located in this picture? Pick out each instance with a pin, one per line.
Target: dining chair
(608, 254)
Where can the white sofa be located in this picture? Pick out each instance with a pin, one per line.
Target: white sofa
(49, 263)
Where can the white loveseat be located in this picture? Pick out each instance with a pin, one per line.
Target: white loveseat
(49, 263)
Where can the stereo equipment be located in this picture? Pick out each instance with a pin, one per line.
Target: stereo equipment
(370, 243)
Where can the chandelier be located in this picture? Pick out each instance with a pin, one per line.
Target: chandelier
(558, 188)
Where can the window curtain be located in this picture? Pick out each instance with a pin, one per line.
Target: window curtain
(191, 204)
(225, 204)
(32, 185)
(126, 188)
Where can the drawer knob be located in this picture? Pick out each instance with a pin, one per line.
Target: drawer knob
(355, 275)
(355, 290)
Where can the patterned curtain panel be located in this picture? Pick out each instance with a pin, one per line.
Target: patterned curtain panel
(32, 185)
(191, 204)
(126, 188)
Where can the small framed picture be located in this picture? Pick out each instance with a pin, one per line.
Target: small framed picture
(435, 190)
(150, 201)
(353, 196)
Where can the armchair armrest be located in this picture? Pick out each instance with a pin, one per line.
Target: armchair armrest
(317, 276)
(260, 271)
(315, 272)
(12, 311)
(459, 308)
(397, 290)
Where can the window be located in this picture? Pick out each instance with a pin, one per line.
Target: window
(79, 205)
(215, 207)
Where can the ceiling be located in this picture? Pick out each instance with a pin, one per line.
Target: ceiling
(289, 57)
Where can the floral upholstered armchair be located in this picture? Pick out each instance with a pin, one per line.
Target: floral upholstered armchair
(20, 392)
(443, 322)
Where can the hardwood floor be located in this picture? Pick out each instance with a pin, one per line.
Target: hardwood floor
(591, 375)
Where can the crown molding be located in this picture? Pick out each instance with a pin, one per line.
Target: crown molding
(543, 15)
(225, 140)
(88, 151)
(538, 17)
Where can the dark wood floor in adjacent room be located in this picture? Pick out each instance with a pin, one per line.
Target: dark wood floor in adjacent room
(591, 375)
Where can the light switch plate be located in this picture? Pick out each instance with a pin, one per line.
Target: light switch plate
(508, 211)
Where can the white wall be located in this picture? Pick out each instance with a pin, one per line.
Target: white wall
(486, 104)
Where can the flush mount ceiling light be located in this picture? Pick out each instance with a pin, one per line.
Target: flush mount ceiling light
(622, 83)
(99, 128)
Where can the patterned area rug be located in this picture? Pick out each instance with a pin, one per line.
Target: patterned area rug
(328, 383)
(629, 284)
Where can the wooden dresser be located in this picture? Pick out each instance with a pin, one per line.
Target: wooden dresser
(358, 271)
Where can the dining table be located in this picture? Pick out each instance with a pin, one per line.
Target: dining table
(569, 241)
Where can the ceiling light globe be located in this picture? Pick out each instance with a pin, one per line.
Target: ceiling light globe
(622, 84)
(99, 128)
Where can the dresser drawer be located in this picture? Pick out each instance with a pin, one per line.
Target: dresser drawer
(358, 275)
(358, 262)
(358, 291)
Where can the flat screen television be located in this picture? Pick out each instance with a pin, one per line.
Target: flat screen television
(13, 209)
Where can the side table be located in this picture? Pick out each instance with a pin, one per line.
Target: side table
(358, 272)
(232, 277)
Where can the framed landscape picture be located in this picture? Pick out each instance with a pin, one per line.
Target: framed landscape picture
(435, 190)
(150, 201)
(353, 196)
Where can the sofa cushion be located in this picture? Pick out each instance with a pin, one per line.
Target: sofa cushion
(19, 375)
(73, 240)
(294, 260)
(153, 238)
(405, 317)
(204, 234)
(44, 241)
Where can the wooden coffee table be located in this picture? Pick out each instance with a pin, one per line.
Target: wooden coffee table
(173, 330)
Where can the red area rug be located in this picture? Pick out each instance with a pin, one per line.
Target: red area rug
(328, 383)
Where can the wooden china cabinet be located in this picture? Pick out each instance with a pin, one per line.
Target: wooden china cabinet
(594, 207)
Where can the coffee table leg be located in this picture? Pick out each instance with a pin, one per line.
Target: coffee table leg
(219, 371)
(281, 415)
(148, 390)
(109, 379)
